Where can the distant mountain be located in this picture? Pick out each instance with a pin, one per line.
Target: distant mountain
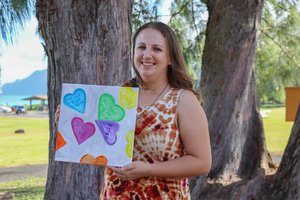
(35, 84)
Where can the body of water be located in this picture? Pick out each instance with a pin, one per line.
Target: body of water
(11, 100)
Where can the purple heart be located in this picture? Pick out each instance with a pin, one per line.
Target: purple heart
(82, 131)
(108, 130)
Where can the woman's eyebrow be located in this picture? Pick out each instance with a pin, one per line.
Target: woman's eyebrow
(158, 45)
(154, 45)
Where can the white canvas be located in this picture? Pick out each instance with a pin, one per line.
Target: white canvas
(96, 124)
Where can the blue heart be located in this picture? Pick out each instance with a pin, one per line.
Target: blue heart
(76, 100)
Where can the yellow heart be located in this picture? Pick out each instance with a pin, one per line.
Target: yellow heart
(129, 146)
(128, 97)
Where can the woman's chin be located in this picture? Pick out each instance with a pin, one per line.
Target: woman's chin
(147, 76)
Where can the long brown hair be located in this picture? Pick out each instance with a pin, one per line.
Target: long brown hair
(177, 74)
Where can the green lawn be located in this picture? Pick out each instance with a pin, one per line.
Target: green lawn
(32, 147)
(23, 149)
(277, 130)
(31, 188)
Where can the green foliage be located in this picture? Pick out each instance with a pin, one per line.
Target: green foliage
(278, 52)
(144, 11)
(188, 19)
(31, 188)
(12, 14)
(22, 149)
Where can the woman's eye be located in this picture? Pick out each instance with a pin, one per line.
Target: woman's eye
(141, 47)
(157, 49)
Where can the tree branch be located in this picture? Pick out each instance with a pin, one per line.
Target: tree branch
(278, 29)
(280, 46)
(183, 6)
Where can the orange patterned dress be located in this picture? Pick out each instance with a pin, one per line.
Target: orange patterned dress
(157, 139)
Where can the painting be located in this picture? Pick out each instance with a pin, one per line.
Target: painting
(96, 124)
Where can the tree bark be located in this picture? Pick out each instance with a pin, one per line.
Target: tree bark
(86, 42)
(227, 84)
(286, 182)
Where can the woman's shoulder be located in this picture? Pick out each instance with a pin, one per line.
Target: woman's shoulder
(187, 95)
(189, 107)
(187, 100)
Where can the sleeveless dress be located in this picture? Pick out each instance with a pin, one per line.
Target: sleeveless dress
(157, 139)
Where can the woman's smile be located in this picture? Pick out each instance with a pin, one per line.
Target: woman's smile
(151, 56)
(148, 65)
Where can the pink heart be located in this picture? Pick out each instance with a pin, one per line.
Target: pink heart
(82, 131)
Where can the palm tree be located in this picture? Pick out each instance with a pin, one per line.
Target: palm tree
(13, 14)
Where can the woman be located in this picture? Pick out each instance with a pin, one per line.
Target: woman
(171, 137)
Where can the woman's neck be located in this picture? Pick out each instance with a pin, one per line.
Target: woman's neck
(149, 95)
(154, 87)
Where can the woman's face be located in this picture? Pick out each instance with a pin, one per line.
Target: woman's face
(151, 55)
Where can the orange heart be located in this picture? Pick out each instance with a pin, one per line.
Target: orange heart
(60, 141)
(89, 159)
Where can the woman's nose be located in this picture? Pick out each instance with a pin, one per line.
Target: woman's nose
(147, 54)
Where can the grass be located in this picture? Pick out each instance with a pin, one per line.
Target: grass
(23, 149)
(31, 188)
(32, 147)
(277, 130)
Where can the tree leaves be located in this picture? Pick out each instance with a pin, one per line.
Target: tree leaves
(278, 52)
(13, 14)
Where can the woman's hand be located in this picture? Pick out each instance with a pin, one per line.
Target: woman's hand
(57, 113)
(134, 170)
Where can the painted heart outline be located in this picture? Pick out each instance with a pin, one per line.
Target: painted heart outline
(76, 100)
(128, 97)
(89, 159)
(81, 130)
(129, 146)
(108, 109)
(108, 131)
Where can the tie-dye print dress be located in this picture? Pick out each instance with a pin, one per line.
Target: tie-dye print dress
(156, 140)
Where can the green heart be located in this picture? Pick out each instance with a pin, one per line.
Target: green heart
(108, 110)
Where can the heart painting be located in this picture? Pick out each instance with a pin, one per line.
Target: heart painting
(96, 124)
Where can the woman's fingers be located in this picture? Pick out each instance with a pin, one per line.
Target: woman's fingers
(57, 113)
(121, 173)
(131, 171)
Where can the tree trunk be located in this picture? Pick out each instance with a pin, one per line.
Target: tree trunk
(228, 88)
(286, 182)
(87, 42)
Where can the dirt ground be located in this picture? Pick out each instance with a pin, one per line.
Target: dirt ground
(22, 172)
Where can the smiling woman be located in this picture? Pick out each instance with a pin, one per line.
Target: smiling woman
(151, 58)
(170, 126)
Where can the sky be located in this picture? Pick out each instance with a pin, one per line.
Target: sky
(26, 55)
